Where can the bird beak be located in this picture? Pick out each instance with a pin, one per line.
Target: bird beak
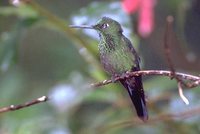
(83, 27)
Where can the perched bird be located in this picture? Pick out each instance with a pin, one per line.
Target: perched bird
(118, 56)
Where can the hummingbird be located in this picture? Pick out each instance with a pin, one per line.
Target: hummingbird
(118, 56)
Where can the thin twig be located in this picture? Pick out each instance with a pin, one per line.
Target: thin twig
(183, 76)
(27, 104)
(167, 41)
(180, 90)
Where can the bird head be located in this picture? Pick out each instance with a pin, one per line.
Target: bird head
(105, 26)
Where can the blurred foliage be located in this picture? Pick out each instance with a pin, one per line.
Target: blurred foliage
(40, 55)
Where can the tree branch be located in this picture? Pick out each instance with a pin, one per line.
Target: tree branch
(27, 104)
(195, 80)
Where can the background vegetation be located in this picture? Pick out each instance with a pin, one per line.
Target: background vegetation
(40, 55)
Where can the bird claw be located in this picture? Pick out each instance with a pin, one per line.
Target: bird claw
(124, 75)
(114, 78)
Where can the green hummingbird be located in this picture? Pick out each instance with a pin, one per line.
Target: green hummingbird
(118, 56)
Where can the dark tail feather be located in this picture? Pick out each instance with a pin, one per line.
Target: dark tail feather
(136, 92)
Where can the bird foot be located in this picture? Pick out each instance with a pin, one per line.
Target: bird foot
(124, 75)
(114, 78)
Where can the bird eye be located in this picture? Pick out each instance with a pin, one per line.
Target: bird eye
(105, 25)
